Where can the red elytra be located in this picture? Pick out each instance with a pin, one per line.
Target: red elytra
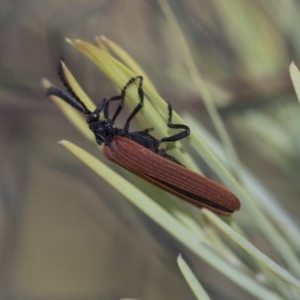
(170, 176)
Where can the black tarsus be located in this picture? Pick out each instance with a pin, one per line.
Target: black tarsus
(178, 136)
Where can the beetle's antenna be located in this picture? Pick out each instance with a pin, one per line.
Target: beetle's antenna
(79, 105)
(72, 98)
(65, 82)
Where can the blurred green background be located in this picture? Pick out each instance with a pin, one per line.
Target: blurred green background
(65, 234)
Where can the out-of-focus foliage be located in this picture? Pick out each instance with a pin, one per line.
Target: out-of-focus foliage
(66, 234)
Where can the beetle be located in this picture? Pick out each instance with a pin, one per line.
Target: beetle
(140, 153)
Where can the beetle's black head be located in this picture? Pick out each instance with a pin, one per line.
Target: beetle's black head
(103, 129)
(92, 117)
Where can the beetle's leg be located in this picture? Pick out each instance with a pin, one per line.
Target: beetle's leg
(122, 97)
(141, 98)
(145, 131)
(176, 137)
(103, 105)
(118, 110)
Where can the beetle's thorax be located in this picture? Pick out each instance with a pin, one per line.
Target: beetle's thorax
(104, 130)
